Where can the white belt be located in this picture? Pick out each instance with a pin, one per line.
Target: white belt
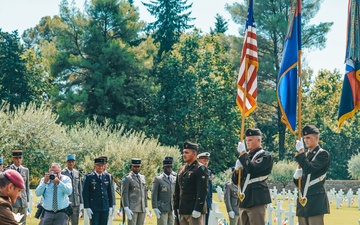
(317, 180)
(257, 179)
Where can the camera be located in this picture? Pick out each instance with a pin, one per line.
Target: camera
(52, 175)
(39, 211)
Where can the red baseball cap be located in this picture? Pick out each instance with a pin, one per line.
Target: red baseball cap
(15, 178)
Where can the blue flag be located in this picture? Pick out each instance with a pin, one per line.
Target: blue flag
(288, 79)
(350, 95)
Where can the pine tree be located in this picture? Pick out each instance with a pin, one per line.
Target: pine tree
(172, 21)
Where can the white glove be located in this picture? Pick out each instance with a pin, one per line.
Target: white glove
(128, 212)
(89, 212)
(110, 211)
(241, 147)
(298, 173)
(174, 216)
(196, 214)
(232, 214)
(157, 213)
(238, 165)
(114, 210)
(299, 144)
(81, 206)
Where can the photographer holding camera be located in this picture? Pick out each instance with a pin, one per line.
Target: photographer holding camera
(55, 189)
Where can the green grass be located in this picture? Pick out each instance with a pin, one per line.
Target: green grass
(341, 216)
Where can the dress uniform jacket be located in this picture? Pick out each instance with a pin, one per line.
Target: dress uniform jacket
(317, 200)
(25, 193)
(6, 215)
(191, 189)
(76, 196)
(134, 193)
(256, 193)
(231, 198)
(162, 193)
(97, 193)
(209, 193)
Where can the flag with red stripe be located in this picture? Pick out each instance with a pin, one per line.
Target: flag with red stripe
(350, 95)
(247, 89)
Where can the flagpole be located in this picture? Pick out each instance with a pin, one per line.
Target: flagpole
(299, 108)
(243, 115)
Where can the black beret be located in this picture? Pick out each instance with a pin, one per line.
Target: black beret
(310, 129)
(189, 145)
(252, 132)
(17, 152)
(167, 162)
(99, 161)
(135, 161)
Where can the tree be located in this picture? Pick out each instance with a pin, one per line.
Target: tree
(272, 18)
(196, 98)
(221, 25)
(282, 172)
(171, 21)
(14, 80)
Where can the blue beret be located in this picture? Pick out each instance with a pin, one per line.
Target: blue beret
(70, 157)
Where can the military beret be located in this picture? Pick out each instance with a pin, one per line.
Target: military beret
(135, 161)
(167, 162)
(14, 177)
(105, 158)
(70, 157)
(1, 160)
(17, 152)
(253, 132)
(203, 155)
(189, 145)
(99, 160)
(310, 129)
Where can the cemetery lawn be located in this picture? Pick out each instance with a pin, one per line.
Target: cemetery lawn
(341, 216)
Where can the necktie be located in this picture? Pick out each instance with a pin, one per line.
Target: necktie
(54, 203)
(18, 169)
(138, 178)
(71, 174)
(169, 178)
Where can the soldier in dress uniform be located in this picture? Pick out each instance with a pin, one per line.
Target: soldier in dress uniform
(253, 167)
(204, 159)
(191, 188)
(76, 182)
(231, 199)
(134, 194)
(97, 194)
(11, 184)
(22, 203)
(312, 202)
(162, 192)
(113, 191)
(172, 159)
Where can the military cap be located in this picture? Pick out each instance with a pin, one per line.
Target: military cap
(167, 162)
(1, 160)
(310, 129)
(253, 132)
(17, 152)
(135, 161)
(70, 157)
(203, 155)
(169, 158)
(189, 145)
(99, 160)
(14, 177)
(105, 158)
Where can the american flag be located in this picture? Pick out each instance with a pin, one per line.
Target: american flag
(247, 80)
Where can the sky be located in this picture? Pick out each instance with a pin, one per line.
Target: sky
(23, 14)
